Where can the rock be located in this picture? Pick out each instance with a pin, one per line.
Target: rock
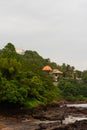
(78, 125)
(7, 128)
(2, 126)
(42, 118)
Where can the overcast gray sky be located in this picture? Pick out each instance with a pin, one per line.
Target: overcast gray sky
(56, 29)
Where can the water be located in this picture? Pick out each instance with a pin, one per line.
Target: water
(72, 119)
(77, 105)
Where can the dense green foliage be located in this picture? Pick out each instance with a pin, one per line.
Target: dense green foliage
(73, 90)
(22, 81)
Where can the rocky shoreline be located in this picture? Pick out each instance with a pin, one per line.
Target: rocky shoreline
(51, 117)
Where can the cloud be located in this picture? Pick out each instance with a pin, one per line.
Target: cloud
(55, 28)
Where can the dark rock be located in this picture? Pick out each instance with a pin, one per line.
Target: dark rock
(54, 114)
(78, 125)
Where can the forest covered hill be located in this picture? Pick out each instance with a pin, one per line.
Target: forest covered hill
(23, 83)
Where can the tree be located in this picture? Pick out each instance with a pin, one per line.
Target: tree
(8, 51)
(10, 92)
(9, 67)
(84, 76)
(36, 88)
(69, 89)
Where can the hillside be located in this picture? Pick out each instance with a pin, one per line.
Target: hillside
(22, 81)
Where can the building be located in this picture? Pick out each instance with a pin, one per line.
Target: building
(47, 69)
(56, 73)
(20, 51)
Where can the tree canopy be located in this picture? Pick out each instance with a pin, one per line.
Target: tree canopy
(21, 78)
(23, 82)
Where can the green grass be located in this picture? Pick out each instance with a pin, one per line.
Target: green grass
(32, 103)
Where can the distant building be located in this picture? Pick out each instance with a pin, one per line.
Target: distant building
(55, 73)
(47, 69)
(20, 51)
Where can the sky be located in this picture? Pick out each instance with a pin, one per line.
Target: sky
(56, 29)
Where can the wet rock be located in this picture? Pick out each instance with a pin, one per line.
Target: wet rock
(42, 118)
(78, 125)
(48, 126)
(2, 126)
(7, 128)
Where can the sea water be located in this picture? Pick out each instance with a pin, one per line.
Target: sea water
(77, 105)
(72, 119)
